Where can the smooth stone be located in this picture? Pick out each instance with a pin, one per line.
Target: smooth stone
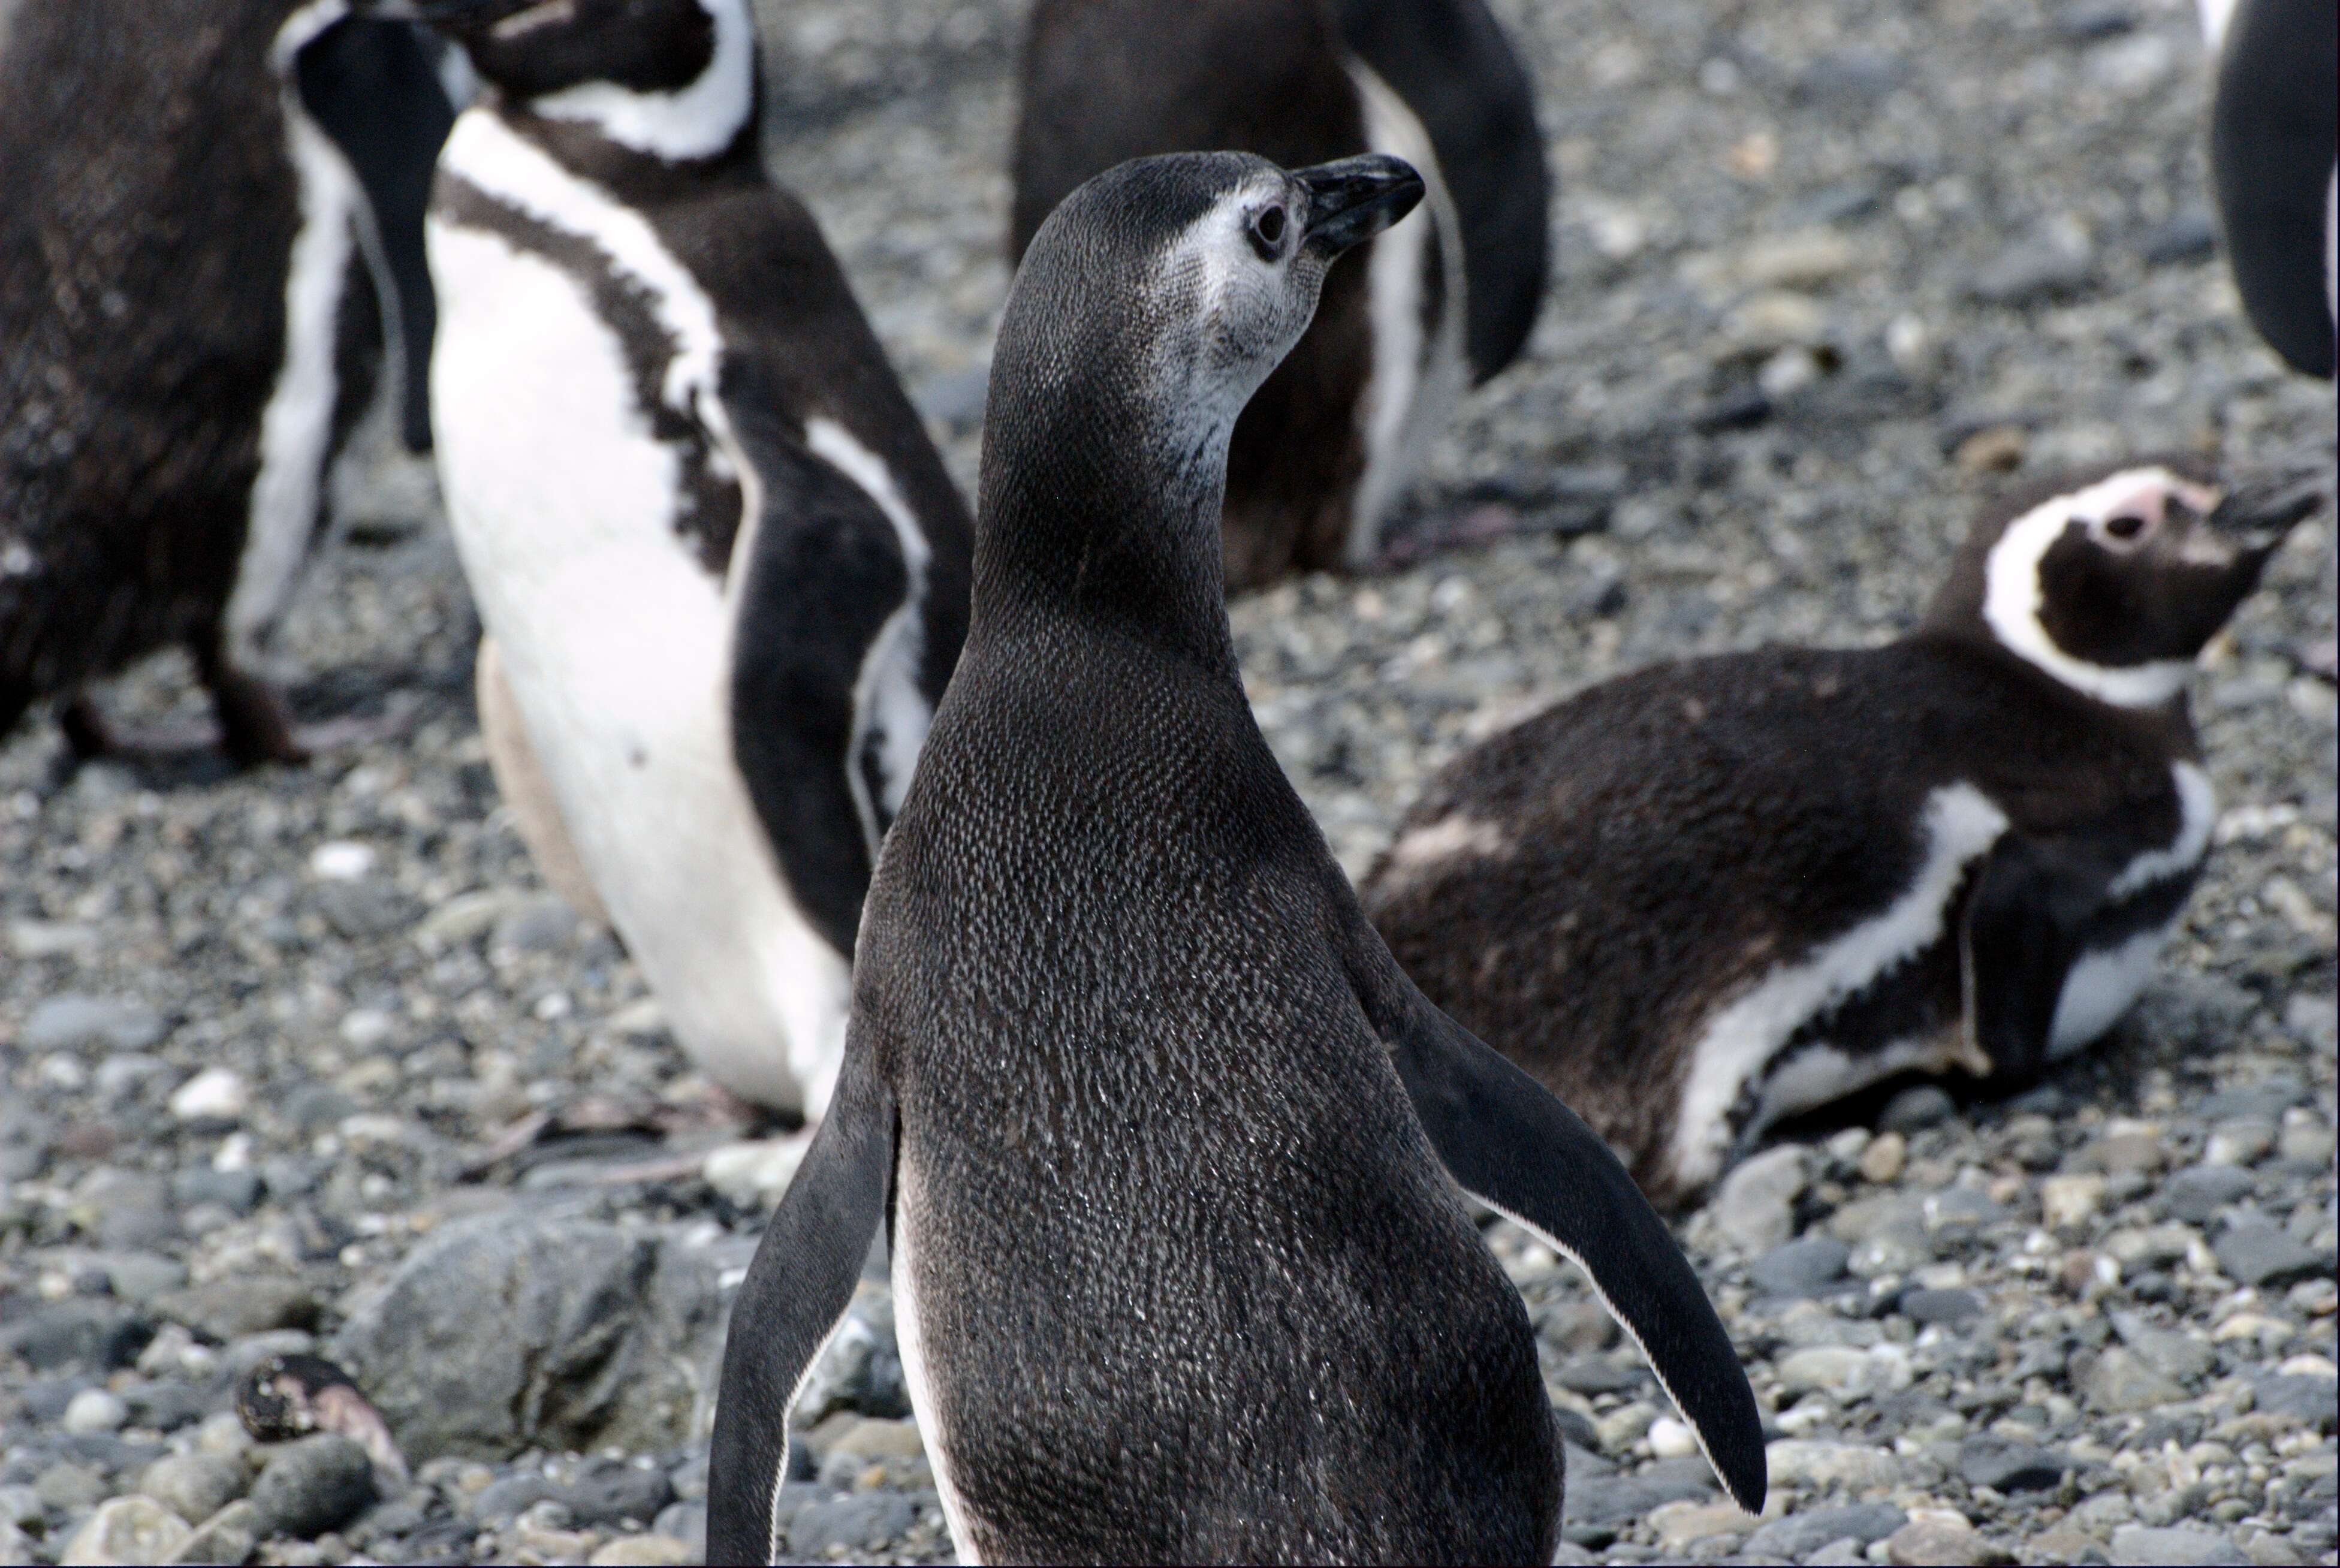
(128, 1530)
(1915, 1108)
(231, 1308)
(2240, 1141)
(1801, 1533)
(1813, 1462)
(1843, 1370)
(68, 1488)
(686, 1522)
(90, 1333)
(214, 1095)
(1939, 1544)
(1596, 1374)
(1962, 1208)
(15, 1546)
(2027, 274)
(230, 1535)
(2069, 1202)
(2121, 1382)
(643, 1552)
(2172, 1354)
(2307, 1399)
(1614, 1499)
(879, 1440)
(312, 1485)
(2138, 1546)
(860, 1368)
(2198, 1193)
(498, 1503)
(1754, 1208)
(95, 1410)
(1881, 1161)
(1680, 1524)
(2009, 1466)
(1805, 1267)
(536, 923)
(194, 1486)
(21, 1505)
(608, 1492)
(1898, 1249)
(2256, 1253)
(71, 1022)
(1949, 1307)
(857, 1522)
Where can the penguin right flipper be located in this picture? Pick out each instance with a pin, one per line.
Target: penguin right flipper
(1510, 1143)
(2018, 943)
(796, 1293)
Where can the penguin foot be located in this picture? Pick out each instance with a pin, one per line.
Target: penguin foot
(252, 732)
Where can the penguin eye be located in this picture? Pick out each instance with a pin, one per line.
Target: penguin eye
(1267, 226)
(2124, 527)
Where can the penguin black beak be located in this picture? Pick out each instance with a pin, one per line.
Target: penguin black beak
(1353, 198)
(2256, 519)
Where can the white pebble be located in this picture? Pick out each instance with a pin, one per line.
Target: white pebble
(1670, 1439)
(366, 1027)
(95, 1410)
(215, 1094)
(340, 860)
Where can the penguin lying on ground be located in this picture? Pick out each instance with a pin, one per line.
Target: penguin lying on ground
(2275, 163)
(1708, 895)
(195, 195)
(722, 572)
(1331, 440)
(1171, 1155)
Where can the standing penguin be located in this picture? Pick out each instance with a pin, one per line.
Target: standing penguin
(2275, 163)
(721, 569)
(1323, 451)
(206, 214)
(1171, 1155)
(1708, 895)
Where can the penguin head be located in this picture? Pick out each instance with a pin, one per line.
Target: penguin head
(671, 77)
(2113, 581)
(1185, 279)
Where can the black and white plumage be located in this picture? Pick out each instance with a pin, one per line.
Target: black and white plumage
(1708, 895)
(205, 218)
(2275, 165)
(1171, 1156)
(1444, 299)
(722, 568)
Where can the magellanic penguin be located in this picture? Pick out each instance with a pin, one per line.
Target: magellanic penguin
(1171, 1156)
(2274, 163)
(1708, 895)
(720, 567)
(196, 196)
(1444, 298)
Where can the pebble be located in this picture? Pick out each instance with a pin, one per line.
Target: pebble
(2244, 1141)
(2069, 1202)
(1805, 1267)
(1806, 1531)
(1933, 1541)
(2138, 1546)
(215, 1095)
(74, 1022)
(610, 1492)
(1847, 1466)
(2256, 1253)
(1754, 1207)
(95, 1410)
(856, 1523)
(1915, 1108)
(2198, 1192)
(194, 1486)
(126, 1529)
(227, 1536)
(643, 1552)
(312, 1485)
(2007, 1464)
(2121, 1382)
(1671, 1439)
(1881, 1161)
(1949, 1306)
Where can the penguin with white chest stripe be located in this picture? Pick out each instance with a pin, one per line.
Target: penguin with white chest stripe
(1171, 1156)
(722, 569)
(205, 221)
(1443, 299)
(1710, 895)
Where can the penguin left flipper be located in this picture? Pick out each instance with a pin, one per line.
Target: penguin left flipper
(2017, 944)
(1511, 1144)
(796, 1293)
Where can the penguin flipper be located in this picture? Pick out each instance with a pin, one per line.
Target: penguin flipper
(2017, 944)
(795, 1295)
(1512, 1144)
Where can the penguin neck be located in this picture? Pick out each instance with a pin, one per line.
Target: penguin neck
(706, 119)
(1090, 515)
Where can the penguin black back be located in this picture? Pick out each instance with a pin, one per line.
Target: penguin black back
(1168, 1146)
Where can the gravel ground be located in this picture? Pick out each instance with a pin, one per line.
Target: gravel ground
(1825, 274)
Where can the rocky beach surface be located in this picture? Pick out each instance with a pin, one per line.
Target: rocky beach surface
(1828, 277)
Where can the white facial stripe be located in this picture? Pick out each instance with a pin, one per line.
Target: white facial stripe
(2012, 598)
(488, 153)
(1416, 377)
(1961, 823)
(296, 429)
(695, 122)
(886, 689)
(2197, 805)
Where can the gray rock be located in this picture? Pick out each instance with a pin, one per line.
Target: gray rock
(2304, 1398)
(2255, 1252)
(538, 923)
(498, 1503)
(2198, 1192)
(1804, 1267)
(15, 1546)
(2176, 1548)
(312, 1485)
(2006, 1464)
(1916, 1107)
(69, 1488)
(72, 1022)
(126, 1209)
(1961, 1208)
(1801, 1533)
(1754, 1209)
(95, 1410)
(2188, 236)
(684, 1521)
(608, 1491)
(1597, 1374)
(194, 1486)
(604, 1337)
(230, 1535)
(128, 1530)
(365, 909)
(2029, 274)
(861, 1369)
(236, 1306)
(2167, 1351)
(21, 1505)
(2121, 1382)
(1951, 1306)
(1614, 1499)
(237, 1191)
(855, 1523)
(88, 1333)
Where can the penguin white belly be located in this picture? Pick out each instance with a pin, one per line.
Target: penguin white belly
(615, 641)
(908, 1341)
